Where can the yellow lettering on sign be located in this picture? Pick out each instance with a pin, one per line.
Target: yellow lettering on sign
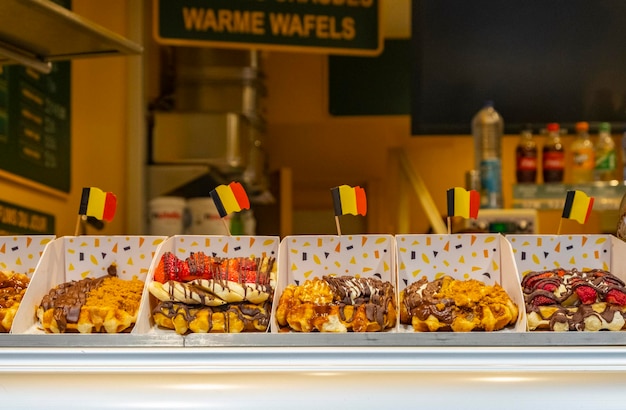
(32, 153)
(324, 27)
(38, 223)
(222, 20)
(9, 216)
(349, 31)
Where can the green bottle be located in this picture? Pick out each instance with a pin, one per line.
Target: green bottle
(605, 154)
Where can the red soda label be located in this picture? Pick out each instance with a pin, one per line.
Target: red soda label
(526, 163)
(553, 160)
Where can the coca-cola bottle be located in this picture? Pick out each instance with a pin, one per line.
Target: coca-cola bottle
(526, 157)
(553, 163)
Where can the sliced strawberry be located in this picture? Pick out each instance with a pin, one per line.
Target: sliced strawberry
(182, 270)
(549, 284)
(242, 270)
(541, 300)
(159, 273)
(194, 267)
(586, 294)
(205, 264)
(166, 268)
(531, 279)
(616, 296)
(170, 265)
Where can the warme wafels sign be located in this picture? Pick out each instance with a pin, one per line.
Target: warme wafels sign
(348, 27)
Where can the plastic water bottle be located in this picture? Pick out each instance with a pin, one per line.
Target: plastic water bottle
(487, 129)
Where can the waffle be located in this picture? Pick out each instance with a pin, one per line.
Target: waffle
(232, 318)
(448, 304)
(591, 318)
(203, 294)
(337, 304)
(92, 305)
(571, 300)
(12, 288)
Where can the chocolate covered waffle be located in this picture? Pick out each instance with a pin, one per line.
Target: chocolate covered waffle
(337, 304)
(91, 305)
(448, 304)
(12, 288)
(571, 300)
(231, 318)
(203, 294)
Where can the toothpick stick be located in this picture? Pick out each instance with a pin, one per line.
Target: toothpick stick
(226, 226)
(338, 226)
(449, 226)
(558, 232)
(78, 223)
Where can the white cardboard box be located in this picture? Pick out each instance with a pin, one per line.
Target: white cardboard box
(584, 252)
(485, 257)
(215, 245)
(305, 257)
(77, 257)
(21, 254)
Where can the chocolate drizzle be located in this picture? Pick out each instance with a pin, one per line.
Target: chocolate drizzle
(250, 316)
(421, 300)
(373, 294)
(67, 299)
(552, 300)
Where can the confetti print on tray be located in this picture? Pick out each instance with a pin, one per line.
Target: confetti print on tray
(462, 256)
(354, 255)
(22, 253)
(91, 256)
(226, 246)
(547, 252)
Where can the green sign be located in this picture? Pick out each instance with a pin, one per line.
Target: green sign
(15, 219)
(328, 26)
(35, 124)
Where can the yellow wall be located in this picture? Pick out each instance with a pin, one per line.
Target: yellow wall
(97, 131)
(324, 151)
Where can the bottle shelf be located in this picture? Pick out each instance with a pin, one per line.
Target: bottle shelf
(608, 195)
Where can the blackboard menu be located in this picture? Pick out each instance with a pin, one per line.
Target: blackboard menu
(35, 124)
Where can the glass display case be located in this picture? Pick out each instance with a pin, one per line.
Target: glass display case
(307, 371)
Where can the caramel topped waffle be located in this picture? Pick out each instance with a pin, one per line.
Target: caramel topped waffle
(12, 288)
(337, 304)
(448, 304)
(571, 300)
(91, 305)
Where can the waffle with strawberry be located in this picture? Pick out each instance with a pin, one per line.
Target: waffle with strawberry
(571, 300)
(207, 288)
